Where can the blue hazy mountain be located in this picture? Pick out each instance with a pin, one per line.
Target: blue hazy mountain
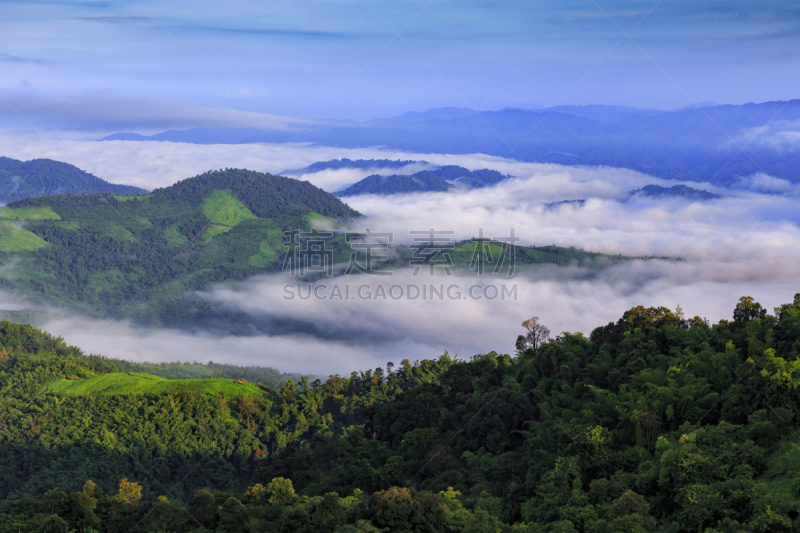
(338, 164)
(43, 177)
(397, 184)
(603, 113)
(676, 191)
(652, 191)
(705, 143)
(441, 178)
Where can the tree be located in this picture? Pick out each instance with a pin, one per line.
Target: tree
(281, 490)
(129, 491)
(401, 509)
(537, 334)
(232, 517)
(203, 509)
(330, 513)
(82, 506)
(54, 524)
(746, 310)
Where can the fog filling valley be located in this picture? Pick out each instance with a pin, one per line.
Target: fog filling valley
(715, 252)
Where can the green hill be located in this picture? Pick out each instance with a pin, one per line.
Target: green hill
(137, 256)
(138, 383)
(43, 177)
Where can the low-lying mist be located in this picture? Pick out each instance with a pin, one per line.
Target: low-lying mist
(745, 243)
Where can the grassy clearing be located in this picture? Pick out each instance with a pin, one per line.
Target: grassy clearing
(321, 222)
(117, 232)
(16, 239)
(129, 198)
(268, 250)
(174, 237)
(29, 213)
(137, 383)
(223, 209)
(214, 230)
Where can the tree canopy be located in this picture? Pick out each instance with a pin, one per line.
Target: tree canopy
(655, 422)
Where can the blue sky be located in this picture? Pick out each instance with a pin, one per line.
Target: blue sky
(146, 65)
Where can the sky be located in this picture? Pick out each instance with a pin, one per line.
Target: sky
(74, 71)
(146, 66)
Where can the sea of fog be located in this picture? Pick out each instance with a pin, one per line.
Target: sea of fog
(746, 243)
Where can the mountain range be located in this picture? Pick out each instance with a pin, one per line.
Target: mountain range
(719, 144)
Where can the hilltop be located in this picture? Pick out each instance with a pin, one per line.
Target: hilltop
(43, 177)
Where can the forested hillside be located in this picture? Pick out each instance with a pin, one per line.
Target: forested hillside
(655, 422)
(42, 177)
(136, 256)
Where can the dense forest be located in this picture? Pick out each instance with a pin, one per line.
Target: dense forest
(655, 422)
(42, 177)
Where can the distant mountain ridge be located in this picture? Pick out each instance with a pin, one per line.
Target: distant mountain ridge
(717, 144)
(652, 191)
(425, 181)
(338, 164)
(441, 178)
(44, 177)
(676, 191)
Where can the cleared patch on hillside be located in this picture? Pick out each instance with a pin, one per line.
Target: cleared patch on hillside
(268, 251)
(129, 198)
(214, 230)
(223, 209)
(321, 222)
(29, 213)
(15, 239)
(138, 383)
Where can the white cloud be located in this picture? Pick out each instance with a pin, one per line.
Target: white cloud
(766, 184)
(743, 244)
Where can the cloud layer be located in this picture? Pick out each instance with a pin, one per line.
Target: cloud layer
(743, 244)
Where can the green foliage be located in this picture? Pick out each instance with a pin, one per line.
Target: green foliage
(14, 238)
(653, 423)
(135, 383)
(222, 208)
(30, 213)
